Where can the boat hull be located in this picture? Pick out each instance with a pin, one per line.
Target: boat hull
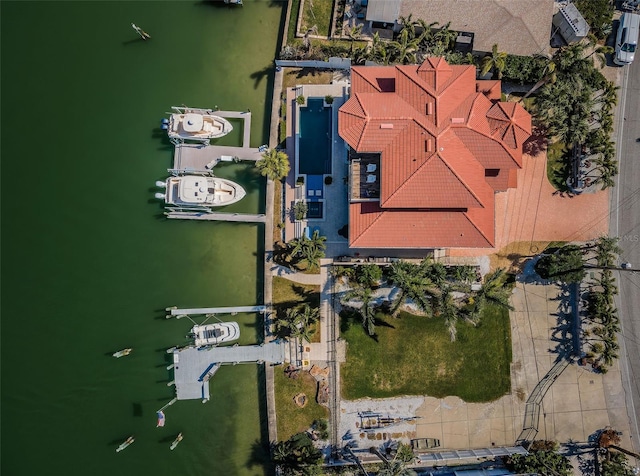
(197, 127)
(202, 191)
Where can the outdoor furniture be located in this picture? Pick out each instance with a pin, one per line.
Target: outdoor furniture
(371, 168)
(371, 178)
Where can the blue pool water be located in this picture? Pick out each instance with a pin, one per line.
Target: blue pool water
(314, 157)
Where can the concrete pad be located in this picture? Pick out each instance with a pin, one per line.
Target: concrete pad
(567, 426)
(565, 397)
(430, 411)
(429, 430)
(480, 433)
(591, 392)
(593, 421)
(453, 409)
(455, 435)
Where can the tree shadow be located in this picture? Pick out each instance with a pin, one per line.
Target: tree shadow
(137, 409)
(566, 331)
(536, 143)
(259, 456)
(259, 75)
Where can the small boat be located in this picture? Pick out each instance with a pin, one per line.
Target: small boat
(161, 419)
(214, 334)
(201, 192)
(195, 125)
(176, 441)
(122, 353)
(125, 444)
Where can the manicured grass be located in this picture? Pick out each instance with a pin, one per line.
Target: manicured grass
(291, 418)
(558, 165)
(277, 211)
(414, 356)
(297, 76)
(288, 294)
(316, 13)
(293, 21)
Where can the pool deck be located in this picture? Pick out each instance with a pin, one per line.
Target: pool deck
(334, 193)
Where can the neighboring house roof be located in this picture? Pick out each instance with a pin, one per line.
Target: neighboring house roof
(520, 27)
(437, 130)
(386, 11)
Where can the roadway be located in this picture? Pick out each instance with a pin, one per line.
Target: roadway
(625, 223)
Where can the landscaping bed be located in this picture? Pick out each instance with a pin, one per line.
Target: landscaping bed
(414, 355)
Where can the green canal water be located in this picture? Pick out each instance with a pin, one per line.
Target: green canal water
(88, 261)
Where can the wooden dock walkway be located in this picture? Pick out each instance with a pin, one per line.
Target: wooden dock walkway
(217, 310)
(235, 217)
(196, 157)
(192, 366)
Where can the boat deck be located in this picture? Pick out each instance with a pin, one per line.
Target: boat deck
(191, 365)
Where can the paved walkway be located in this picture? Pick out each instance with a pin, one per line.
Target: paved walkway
(532, 212)
(302, 278)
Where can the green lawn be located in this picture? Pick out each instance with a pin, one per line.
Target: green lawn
(316, 13)
(293, 21)
(287, 294)
(291, 418)
(414, 356)
(558, 165)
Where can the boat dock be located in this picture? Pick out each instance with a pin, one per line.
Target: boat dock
(194, 367)
(197, 157)
(216, 310)
(217, 216)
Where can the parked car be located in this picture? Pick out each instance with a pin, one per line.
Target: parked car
(627, 38)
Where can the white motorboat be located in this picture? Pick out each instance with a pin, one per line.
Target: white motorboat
(125, 444)
(122, 353)
(214, 334)
(196, 125)
(201, 192)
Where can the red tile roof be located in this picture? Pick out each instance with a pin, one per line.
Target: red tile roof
(437, 129)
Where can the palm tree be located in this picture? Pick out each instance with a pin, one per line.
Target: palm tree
(599, 51)
(450, 312)
(405, 48)
(496, 60)
(492, 291)
(354, 34)
(274, 164)
(367, 311)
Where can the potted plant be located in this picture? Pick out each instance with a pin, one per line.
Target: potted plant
(300, 181)
(328, 100)
(301, 100)
(328, 180)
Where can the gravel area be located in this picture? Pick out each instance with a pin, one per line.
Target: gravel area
(353, 413)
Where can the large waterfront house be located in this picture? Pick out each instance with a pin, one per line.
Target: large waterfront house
(429, 146)
(520, 27)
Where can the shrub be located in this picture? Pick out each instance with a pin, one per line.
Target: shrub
(300, 100)
(523, 69)
(598, 14)
(300, 210)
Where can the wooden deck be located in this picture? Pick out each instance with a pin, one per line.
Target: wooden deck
(236, 217)
(198, 157)
(217, 310)
(191, 365)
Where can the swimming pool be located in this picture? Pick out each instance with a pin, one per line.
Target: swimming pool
(314, 142)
